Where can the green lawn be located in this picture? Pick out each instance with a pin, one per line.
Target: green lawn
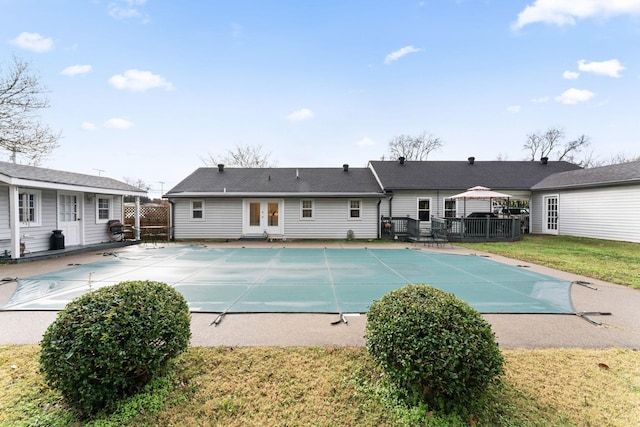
(611, 261)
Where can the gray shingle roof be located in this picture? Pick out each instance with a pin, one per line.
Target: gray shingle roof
(278, 181)
(37, 174)
(623, 173)
(461, 175)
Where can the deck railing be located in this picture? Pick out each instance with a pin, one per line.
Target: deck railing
(466, 229)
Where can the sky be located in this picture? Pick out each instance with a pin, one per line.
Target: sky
(147, 89)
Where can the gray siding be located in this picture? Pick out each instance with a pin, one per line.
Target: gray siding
(37, 238)
(602, 213)
(536, 210)
(330, 220)
(222, 219)
(94, 231)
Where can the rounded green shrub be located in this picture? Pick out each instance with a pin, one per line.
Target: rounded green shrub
(110, 342)
(433, 347)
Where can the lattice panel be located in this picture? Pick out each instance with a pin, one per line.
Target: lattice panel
(149, 215)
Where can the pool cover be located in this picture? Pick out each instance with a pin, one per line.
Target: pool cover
(300, 280)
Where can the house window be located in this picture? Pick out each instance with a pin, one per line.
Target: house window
(424, 209)
(449, 208)
(29, 207)
(103, 208)
(306, 209)
(197, 209)
(355, 209)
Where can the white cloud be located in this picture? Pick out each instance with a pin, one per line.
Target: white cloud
(570, 75)
(33, 42)
(542, 100)
(299, 115)
(565, 12)
(574, 96)
(513, 109)
(365, 142)
(74, 70)
(139, 81)
(128, 9)
(609, 68)
(89, 127)
(394, 56)
(117, 123)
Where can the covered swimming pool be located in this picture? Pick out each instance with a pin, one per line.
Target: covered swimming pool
(300, 280)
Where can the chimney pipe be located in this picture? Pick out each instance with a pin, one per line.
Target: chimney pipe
(345, 167)
(471, 160)
(220, 167)
(544, 160)
(401, 160)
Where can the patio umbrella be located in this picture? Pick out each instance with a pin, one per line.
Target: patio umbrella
(479, 192)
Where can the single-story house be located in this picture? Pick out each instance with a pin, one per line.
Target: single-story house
(335, 203)
(39, 200)
(602, 203)
(424, 189)
(297, 203)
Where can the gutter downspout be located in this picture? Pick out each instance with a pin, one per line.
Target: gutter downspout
(379, 216)
(171, 219)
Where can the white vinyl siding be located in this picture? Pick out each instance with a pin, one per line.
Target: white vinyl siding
(223, 219)
(95, 230)
(602, 213)
(330, 220)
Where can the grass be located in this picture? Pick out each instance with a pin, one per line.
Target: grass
(611, 261)
(336, 386)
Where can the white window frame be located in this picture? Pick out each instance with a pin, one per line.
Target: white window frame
(192, 209)
(358, 209)
(110, 209)
(37, 208)
(311, 209)
(420, 199)
(445, 210)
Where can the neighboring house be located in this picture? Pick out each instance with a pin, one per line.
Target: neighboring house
(300, 203)
(423, 189)
(39, 200)
(602, 203)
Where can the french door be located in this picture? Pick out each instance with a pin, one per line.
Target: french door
(550, 219)
(262, 216)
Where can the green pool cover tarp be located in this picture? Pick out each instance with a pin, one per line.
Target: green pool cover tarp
(252, 280)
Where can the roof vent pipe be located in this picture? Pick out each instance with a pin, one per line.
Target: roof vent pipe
(401, 160)
(220, 167)
(471, 160)
(345, 167)
(544, 160)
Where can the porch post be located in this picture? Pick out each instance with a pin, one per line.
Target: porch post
(14, 220)
(137, 218)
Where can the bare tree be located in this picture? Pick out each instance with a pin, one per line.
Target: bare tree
(21, 133)
(551, 144)
(244, 156)
(414, 147)
(613, 160)
(570, 149)
(138, 183)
